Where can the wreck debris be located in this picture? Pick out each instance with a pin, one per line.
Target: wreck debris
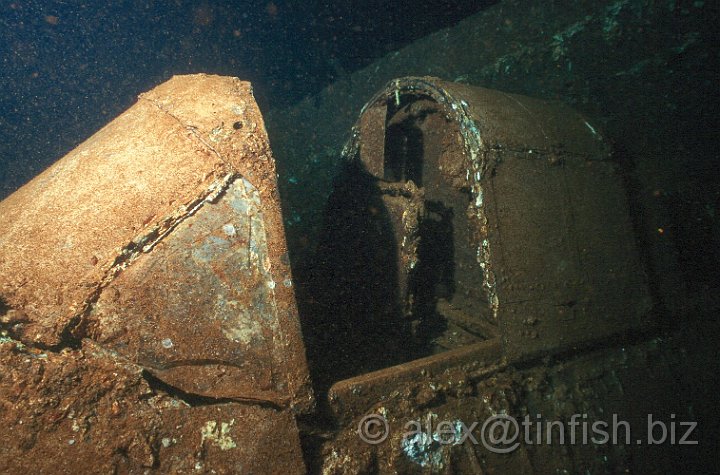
(476, 230)
(159, 241)
(509, 227)
(510, 244)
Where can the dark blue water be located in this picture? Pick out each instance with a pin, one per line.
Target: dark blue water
(67, 67)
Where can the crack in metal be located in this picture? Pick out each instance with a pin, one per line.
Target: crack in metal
(73, 331)
(195, 400)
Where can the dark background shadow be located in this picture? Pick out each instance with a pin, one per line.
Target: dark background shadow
(348, 300)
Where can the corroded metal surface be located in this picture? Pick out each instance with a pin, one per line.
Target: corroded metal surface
(351, 398)
(90, 411)
(511, 243)
(596, 385)
(160, 239)
(511, 235)
(521, 201)
(211, 327)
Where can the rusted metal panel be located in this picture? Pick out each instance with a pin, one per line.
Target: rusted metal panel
(519, 199)
(90, 411)
(452, 370)
(511, 235)
(160, 238)
(211, 326)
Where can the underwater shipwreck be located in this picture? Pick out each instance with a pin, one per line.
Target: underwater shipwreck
(468, 291)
